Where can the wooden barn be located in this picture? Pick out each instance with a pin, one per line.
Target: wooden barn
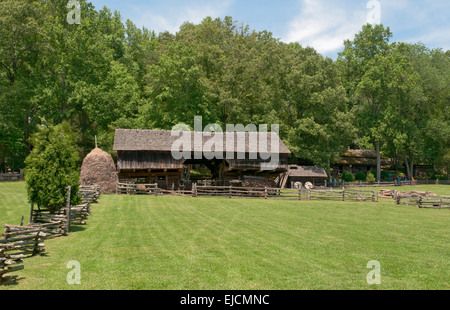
(145, 156)
(314, 174)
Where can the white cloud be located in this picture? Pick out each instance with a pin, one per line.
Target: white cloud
(171, 19)
(325, 26)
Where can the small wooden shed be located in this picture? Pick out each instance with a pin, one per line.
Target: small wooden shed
(355, 161)
(314, 174)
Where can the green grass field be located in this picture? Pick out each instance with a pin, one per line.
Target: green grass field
(142, 242)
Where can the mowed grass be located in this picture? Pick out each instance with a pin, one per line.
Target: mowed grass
(143, 242)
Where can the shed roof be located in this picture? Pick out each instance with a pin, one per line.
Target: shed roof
(307, 171)
(360, 157)
(163, 140)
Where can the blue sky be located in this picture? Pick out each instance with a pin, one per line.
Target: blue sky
(322, 24)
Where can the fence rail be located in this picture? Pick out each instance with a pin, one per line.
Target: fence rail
(422, 200)
(437, 202)
(9, 263)
(27, 241)
(252, 192)
(89, 194)
(11, 177)
(387, 184)
(246, 192)
(137, 189)
(17, 243)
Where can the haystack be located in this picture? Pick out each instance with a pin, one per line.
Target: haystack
(98, 169)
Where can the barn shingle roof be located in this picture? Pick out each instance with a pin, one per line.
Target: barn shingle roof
(307, 171)
(162, 140)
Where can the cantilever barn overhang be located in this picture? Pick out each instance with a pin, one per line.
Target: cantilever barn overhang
(146, 155)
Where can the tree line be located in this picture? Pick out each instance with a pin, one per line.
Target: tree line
(103, 74)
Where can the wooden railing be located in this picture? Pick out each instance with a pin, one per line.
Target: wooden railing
(246, 192)
(431, 201)
(137, 189)
(89, 194)
(343, 195)
(17, 243)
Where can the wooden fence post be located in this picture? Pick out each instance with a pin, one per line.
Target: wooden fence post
(265, 192)
(36, 243)
(69, 190)
(31, 213)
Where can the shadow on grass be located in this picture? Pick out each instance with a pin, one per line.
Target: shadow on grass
(74, 228)
(13, 281)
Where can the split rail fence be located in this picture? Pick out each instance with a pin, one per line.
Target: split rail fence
(247, 192)
(16, 244)
(19, 242)
(343, 195)
(252, 192)
(412, 199)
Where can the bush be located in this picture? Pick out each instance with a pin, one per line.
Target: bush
(370, 178)
(348, 177)
(51, 166)
(360, 176)
(385, 175)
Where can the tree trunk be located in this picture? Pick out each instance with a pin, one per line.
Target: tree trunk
(329, 168)
(378, 161)
(408, 171)
(411, 170)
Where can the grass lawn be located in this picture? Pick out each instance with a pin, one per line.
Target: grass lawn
(143, 242)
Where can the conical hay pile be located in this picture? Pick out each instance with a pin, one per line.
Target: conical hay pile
(98, 169)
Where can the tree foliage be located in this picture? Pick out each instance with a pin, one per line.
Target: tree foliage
(105, 74)
(52, 166)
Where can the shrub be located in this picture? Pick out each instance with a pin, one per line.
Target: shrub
(385, 175)
(360, 176)
(370, 178)
(51, 166)
(348, 177)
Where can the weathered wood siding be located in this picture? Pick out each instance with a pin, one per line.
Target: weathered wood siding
(256, 163)
(129, 160)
